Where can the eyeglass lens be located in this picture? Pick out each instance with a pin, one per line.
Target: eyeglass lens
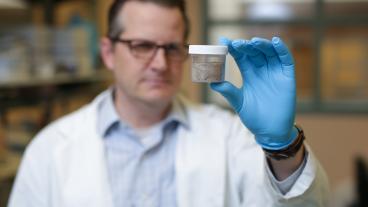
(146, 50)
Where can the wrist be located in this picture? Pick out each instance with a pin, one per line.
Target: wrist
(283, 168)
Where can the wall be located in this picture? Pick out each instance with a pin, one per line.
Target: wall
(193, 90)
(336, 140)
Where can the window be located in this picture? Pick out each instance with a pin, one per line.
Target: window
(327, 39)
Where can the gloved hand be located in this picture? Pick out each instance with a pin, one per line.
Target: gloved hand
(266, 101)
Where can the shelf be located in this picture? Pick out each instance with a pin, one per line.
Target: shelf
(327, 21)
(12, 4)
(240, 22)
(60, 79)
(9, 165)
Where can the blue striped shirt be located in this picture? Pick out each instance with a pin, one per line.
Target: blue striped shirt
(141, 164)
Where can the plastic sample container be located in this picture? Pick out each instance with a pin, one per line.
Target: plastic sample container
(208, 62)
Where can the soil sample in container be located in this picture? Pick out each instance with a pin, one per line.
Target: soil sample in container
(208, 72)
(208, 62)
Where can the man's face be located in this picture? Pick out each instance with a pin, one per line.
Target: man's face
(152, 80)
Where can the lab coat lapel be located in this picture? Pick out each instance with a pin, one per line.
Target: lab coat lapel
(82, 167)
(200, 164)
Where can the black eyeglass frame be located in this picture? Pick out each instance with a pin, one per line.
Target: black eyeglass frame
(166, 47)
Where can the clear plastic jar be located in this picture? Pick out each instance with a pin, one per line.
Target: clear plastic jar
(208, 62)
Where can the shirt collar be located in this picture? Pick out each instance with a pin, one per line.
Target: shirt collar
(178, 113)
(108, 116)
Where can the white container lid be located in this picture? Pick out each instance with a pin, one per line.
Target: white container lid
(208, 49)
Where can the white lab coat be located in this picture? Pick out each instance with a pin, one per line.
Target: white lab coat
(218, 164)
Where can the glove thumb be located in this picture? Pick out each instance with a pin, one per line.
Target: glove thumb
(230, 92)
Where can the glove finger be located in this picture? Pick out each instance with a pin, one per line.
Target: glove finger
(244, 63)
(254, 55)
(227, 42)
(232, 94)
(286, 58)
(240, 58)
(264, 45)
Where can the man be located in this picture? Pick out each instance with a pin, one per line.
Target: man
(141, 144)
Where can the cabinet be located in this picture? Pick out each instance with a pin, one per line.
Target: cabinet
(49, 54)
(47, 69)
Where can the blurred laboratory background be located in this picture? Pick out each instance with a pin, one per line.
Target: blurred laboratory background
(50, 66)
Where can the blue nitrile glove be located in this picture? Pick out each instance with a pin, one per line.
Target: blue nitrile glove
(266, 101)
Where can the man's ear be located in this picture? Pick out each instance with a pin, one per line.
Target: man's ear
(107, 53)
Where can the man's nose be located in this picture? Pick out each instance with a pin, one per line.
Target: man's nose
(159, 60)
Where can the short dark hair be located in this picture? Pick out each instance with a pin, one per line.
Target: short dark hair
(114, 29)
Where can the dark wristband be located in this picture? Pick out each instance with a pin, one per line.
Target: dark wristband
(290, 150)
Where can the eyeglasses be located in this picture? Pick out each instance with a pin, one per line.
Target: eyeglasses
(144, 49)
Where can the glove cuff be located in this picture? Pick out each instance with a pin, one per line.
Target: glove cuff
(277, 144)
(288, 151)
